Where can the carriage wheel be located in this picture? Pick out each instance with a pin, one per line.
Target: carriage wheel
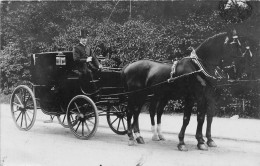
(23, 107)
(82, 117)
(116, 119)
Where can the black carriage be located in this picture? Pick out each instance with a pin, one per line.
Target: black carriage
(58, 90)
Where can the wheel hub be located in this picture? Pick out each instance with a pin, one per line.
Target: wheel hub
(80, 117)
(22, 109)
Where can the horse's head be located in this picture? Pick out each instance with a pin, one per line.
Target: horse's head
(219, 48)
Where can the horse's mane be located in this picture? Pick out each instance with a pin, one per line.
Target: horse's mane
(211, 39)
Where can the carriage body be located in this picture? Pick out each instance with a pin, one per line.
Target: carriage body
(50, 71)
(57, 90)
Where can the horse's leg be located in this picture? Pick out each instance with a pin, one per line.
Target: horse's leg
(202, 105)
(139, 138)
(130, 111)
(152, 110)
(210, 114)
(186, 119)
(161, 106)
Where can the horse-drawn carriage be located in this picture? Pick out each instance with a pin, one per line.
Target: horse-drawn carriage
(57, 90)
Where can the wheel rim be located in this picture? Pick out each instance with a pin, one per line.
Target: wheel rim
(82, 117)
(116, 118)
(63, 119)
(23, 107)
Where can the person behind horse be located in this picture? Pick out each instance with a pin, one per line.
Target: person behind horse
(86, 63)
(248, 63)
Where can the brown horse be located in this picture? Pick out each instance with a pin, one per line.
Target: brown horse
(199, 87)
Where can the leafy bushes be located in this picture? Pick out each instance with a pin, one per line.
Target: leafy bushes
(155, 30)
(14, 67)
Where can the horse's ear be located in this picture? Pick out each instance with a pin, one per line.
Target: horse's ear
(226, 40)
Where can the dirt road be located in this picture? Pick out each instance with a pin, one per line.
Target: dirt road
(53, 145)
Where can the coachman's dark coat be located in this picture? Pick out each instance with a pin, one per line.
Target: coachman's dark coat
(80, 55)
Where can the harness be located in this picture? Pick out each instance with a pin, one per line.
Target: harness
(193, 56)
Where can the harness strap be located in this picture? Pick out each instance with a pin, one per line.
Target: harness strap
(173, 69)
(195, 59)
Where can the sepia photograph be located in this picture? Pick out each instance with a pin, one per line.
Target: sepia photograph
(130, 83)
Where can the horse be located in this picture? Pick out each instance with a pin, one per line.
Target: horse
(200, 87)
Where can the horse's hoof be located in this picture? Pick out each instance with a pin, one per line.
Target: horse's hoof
(161, 137)
(202, 146)
(140, 140)
(131, 142)
(182, 147)
(211, 143)
(155, 138)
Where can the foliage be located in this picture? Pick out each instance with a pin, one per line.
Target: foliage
(153, 30)
(14, 66)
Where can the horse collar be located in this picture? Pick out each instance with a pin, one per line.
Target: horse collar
(197, 60)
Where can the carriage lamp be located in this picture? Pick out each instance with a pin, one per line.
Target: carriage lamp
(60, 59)
(235, 40)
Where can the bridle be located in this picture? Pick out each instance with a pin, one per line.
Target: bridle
(194, 57)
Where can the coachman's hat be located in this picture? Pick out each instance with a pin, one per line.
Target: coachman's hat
(83, 33)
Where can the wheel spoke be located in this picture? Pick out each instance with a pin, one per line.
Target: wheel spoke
(114, 121)
(30, 111)
(87, 126)
(73, 120)
(64, 118)
(118, 124)
(25, 120)
(123, 124)
(18, 99)
(90, 122)
(18, 116)
(22, 121)
(77, 107)
(82, 129)
(28, 116)
(78, 126)
(116, 109)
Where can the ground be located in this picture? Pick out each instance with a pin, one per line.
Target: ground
(52, 145)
